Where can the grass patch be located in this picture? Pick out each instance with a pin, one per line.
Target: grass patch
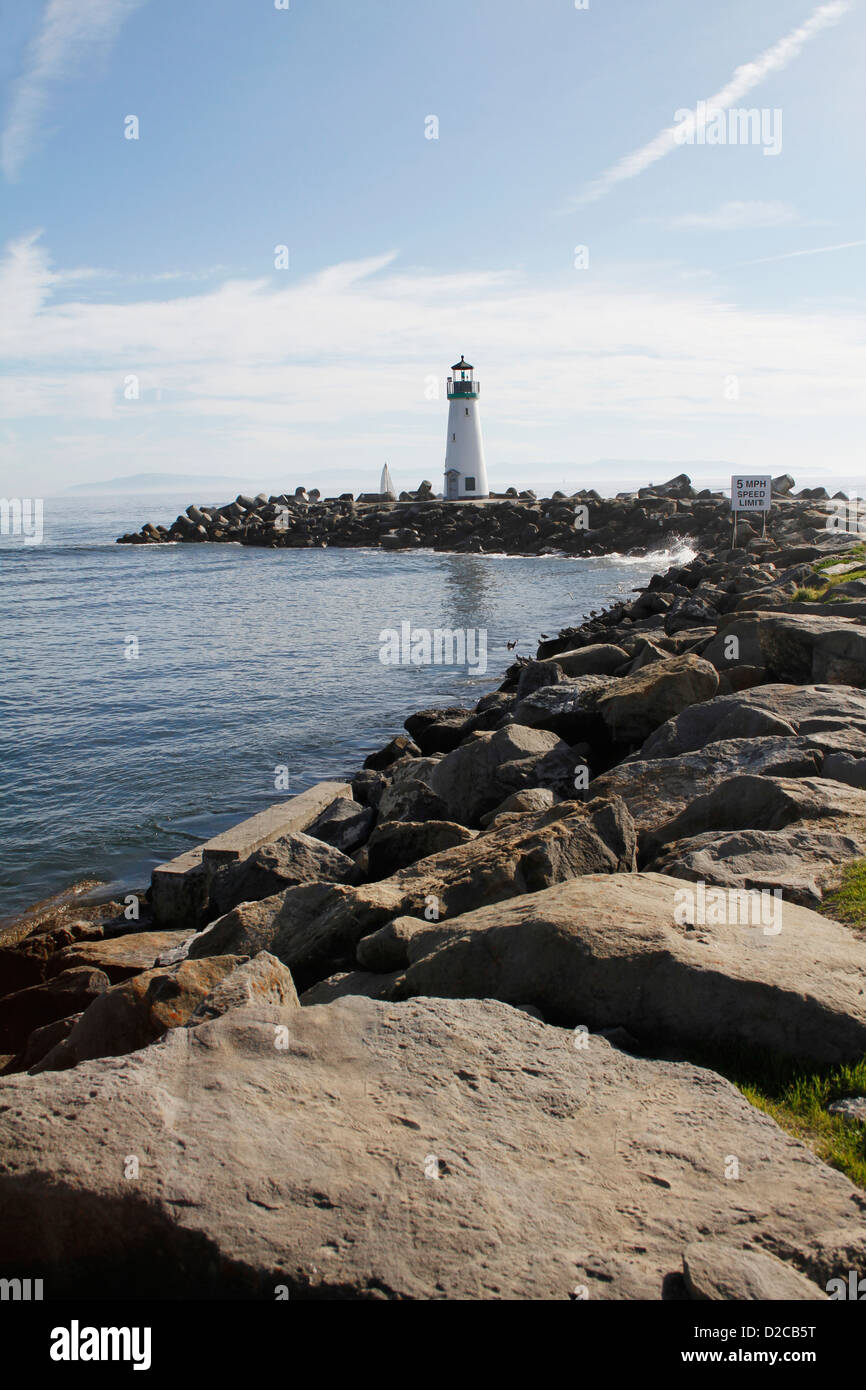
(822, 589)
(810, 595)
(801, 1109)
(847, 903)
(797, 1098)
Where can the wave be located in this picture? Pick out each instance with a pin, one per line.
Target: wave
(681, 556)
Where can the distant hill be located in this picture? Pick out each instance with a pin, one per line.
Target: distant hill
(168, 482)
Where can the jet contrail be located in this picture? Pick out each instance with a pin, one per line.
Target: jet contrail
(742, 82)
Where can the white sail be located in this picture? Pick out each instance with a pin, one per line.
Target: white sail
(386, 486)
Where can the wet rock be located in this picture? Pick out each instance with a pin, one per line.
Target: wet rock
(437, 730)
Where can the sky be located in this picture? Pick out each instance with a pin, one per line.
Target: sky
(248, 238)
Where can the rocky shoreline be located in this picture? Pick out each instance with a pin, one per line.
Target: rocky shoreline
(584, 523)
(440, 1030)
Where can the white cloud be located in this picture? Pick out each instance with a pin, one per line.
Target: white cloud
(72, 34)
(735, 217)
(744, 79)
(334, 369)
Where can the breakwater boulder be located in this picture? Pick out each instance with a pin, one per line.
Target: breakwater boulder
(584, 523)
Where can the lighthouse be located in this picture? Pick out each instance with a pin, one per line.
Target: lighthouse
(465, 469)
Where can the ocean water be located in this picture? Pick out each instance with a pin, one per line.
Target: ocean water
(248, 661)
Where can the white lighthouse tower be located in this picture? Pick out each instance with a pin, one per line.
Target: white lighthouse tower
(465, 469)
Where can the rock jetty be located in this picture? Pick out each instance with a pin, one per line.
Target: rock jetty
(442, 1029)
(651, 519)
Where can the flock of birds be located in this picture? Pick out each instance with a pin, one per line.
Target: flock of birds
(545, 636)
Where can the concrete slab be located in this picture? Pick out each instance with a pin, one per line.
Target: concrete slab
(180, 887)
(295, 814)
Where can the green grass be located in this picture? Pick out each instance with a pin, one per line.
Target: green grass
(800, 1107)
(848, 902)
(797, 1098)
(822, 591)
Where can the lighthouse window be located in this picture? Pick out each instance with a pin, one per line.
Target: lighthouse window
(470, 484)
(467, 410)
(454, 437)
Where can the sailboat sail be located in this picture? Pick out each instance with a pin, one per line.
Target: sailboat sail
(386, 486)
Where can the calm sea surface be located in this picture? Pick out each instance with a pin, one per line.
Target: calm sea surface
(248, 660)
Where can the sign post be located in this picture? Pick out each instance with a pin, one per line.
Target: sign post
(750, 493)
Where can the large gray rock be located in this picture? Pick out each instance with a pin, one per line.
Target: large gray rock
(767, 803)
(600, 659)
(795, 647)
(532, 799)
(657, 789)
(487, 767)
(294, 858)
(535, 675)
(396, 844)
(313, 929)
(633, 951)
(438, 1149)
(801, 861)
(569, 708)
(408, 795)
(639, 703)
(344, 824)
(767, 710)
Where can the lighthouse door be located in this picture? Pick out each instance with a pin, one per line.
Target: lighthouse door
(453, 483)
